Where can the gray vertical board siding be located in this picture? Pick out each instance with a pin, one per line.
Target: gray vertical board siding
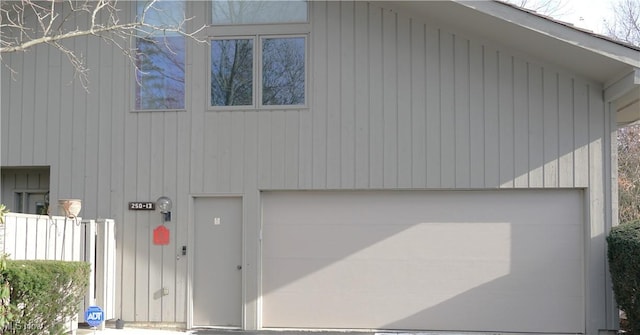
(318, 87)
(39, 125)
(375, 83)
(394, 102)
(389, 99)
(404, 123)
(418, 87)
(347, 88)
(333, 96)
(361, 95)
(598, 148)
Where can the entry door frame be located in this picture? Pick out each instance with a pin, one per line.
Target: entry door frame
(191, 250)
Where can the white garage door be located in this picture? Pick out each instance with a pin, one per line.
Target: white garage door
(437, 260)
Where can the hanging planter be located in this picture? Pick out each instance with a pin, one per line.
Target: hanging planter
(70, 207)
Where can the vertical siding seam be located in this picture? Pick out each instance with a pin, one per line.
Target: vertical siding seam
(528, 75)
(149, 301)
(484, 117)
(369, 147)
(440, 101)
(163, 190)
(411, 102)
(6, 97)
(455, 110)
(46, 116)
(22, 111)
(340, 177)
(397, 97)
(354, 106)
(513, 119)
(426, 114)
(498, 112)
(326, 103)
(72, 133)
(383, 95)
(135, 239)
(558, 131)
(469, 152)
(588, 98)
(542, 103)
(573, 117)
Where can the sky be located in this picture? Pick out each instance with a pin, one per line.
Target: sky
(588, 14)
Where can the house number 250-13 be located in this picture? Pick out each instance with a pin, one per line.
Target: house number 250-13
(142, 205)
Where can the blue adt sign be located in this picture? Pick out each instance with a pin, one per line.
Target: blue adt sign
(94, 316)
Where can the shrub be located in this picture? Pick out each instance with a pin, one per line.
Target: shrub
(624, 265)
(43, 293)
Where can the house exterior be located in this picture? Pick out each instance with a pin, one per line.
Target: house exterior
(431, 165)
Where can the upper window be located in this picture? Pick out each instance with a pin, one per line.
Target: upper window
(283, 71)
(281, 65)
(232, 12)
(232, 72)
(160, 61)
(258, 53)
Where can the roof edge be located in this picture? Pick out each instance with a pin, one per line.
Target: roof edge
(567, 33)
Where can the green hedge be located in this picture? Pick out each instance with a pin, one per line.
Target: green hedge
(43, 293)
(624, 264)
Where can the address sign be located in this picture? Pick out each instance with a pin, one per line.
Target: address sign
(142, 205)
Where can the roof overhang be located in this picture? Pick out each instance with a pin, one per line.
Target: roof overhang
(624, 95)
(598, 58)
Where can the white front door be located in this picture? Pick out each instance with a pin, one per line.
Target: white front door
(217, 273)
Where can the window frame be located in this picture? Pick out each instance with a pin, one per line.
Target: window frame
(133, 73)
(257, 32)
(253, 71)
(257, 73)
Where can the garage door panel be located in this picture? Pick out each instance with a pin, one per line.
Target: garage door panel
(410, 260)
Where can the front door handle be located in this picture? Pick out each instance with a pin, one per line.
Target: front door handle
(239, 267)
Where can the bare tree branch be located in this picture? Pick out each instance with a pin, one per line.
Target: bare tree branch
(626, 22)
(553, 8)
(25, 24)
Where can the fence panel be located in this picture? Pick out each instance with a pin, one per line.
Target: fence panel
(30, 237)
(100, 251)
(27, 236)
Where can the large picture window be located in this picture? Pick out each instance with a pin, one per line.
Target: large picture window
(160, 60)
(281, 69)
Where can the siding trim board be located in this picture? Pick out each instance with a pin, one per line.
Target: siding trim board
(397, 100)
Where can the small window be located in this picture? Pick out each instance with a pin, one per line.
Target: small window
(232, 12)
(160, 73)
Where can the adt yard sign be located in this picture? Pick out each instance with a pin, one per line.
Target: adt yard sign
(94, 316)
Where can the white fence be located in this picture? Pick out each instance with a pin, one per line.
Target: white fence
(26, 236)
(31, 237)
(99, 249)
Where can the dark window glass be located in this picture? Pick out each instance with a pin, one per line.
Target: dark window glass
(232, 72)
(160, 61)
(283, 71)
(227, 12)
